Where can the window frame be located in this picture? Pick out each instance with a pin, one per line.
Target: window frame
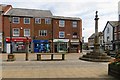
(42, 32)
(62, 33)
(61, 23)
(47, 20)
(14, 21)
(38, 22)
(25, 33)
(74, 24)
(14, 33)
(25, 21)
(74, 35)
(108, 30)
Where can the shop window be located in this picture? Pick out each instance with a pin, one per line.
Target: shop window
(74, 24)
(47, 21)
(43, 32)
(61, 23)
(61, 34)
(38, 20)
(16, 20)
(26, 20)
(26, 32)
(62, 47)
(16, 32)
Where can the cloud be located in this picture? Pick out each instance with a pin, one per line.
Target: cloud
(85, 9)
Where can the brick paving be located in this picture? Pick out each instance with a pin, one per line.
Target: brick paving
(71, 67)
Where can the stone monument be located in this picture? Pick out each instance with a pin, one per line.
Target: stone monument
(96, 54)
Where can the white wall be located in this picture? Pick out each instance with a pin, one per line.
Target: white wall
(119, 10)
(110, 34)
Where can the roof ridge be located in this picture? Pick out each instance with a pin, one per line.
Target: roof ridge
(30, 9)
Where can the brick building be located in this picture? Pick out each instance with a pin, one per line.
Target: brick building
(67, 34)
(42, 30)
(91, 40)
(3, 9)
(116, 41)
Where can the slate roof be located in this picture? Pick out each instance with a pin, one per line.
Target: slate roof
(113, 24)
(29, 12)
(70, 18)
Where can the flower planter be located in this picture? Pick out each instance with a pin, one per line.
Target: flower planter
(114, 69)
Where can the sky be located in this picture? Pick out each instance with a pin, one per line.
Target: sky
(84, 9)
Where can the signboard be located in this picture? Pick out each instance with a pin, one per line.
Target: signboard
(61, 40)
(74, 40)
(18, 39)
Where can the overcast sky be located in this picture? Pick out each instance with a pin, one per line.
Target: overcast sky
(84, 9)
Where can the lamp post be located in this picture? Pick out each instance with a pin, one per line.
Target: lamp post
(11, 57)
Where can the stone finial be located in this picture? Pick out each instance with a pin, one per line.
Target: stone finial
(96, 12)
(96, 16)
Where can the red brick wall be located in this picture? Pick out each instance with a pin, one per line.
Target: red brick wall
(21, 24)
(4, 9)
(43, 26)
(68, 29)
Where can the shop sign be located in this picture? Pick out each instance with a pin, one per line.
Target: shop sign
(74, 40)
(21, 39)
(61, 40)
(40, 41)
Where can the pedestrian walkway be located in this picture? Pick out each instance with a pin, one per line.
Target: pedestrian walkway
(69, 69)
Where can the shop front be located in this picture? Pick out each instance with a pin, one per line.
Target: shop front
(18, 44)
(74, 46)
(61, 45)
(41, 46)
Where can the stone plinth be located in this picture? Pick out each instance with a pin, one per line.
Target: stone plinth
(96, 57)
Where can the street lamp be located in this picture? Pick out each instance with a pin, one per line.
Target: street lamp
(11, 57)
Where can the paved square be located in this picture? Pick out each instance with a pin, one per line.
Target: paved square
(71, 67)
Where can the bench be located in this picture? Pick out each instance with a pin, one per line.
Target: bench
(39, 55)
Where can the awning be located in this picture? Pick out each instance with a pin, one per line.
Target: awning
(18, 39)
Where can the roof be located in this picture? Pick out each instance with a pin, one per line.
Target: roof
(62, 17)
(93, 35)
(113, 24)
(29, 12)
